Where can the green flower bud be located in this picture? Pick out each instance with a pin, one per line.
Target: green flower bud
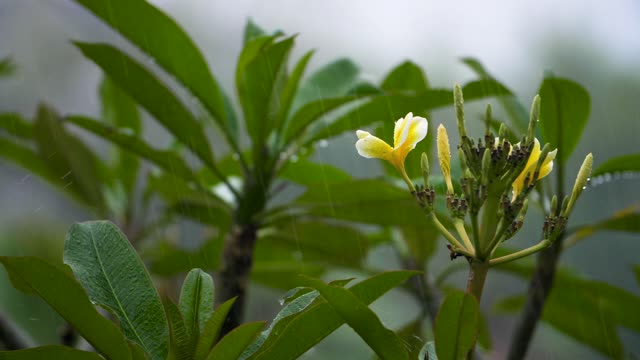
(486, 166)
(424, 164)
(458, 100)
(503, 132)
(554, 205)
(487, 119)
(581, 182)
(533, 118)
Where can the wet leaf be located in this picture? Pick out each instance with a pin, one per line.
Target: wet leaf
(620, 164)
(405, 77)
(231, 346)
(180, 339)
(211, 330)
(99, 254)
(626, 220)
(51, 352)
(196, 301)
(56, 287)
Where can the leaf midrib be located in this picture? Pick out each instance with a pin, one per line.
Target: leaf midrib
(104, 272)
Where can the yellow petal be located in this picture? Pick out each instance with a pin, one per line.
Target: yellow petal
(370, 146)
(415, 129)
(399, 129)
(547, 165)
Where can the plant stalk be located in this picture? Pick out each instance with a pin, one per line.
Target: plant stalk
(234, 276)
(477, 274)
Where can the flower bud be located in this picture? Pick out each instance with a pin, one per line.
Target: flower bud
(424, 164)
(533, 118)
(458, 100)
(444, 156)
(554, 205)
(486, 166)
(581, 182)
(487, 120)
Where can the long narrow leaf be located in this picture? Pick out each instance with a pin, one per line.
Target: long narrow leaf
(212, 329)
(232, 345)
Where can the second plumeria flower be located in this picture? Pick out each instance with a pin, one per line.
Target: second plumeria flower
(407, 133)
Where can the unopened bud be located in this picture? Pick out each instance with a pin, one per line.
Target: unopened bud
(487, 119)
(581, 182)
(486, 166)
(523, 211)
(424, 164)
(554, 205)
(565, 203)
(458, 100)
(463, 161)
(444, 156)
(503, 132)
(533, 118)
(543, 157)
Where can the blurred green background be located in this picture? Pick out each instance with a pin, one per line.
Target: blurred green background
(596, 44)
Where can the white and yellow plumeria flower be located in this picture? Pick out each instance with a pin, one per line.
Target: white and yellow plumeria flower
(530, 168)
(408, 132)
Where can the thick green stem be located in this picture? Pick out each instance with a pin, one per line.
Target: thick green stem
(488, 225)
(477, 275)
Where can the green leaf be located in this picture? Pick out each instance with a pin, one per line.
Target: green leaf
(167, 160)
(259, 85)
(428, 352)
(484, 332)
(564, 112)
(69, 158)
(136, 352)
(335, 79)
(67, 298)
(405, 77)
(252, 31)
(151, 94)
(586, 310)
(49, 352)
(196, 301)
(392, 107)
(456, 326)
(620, 164)
(626, 220)
(312, 111)
(319, 320)
(296, 306)
(318, 241)
(99, 254)
(369, 201)
(119, 110)
(309, 173)
(361, 319)
(232, 345)
(166, 259)
(289, 92)
(516, 112)
(134, 21)
(29, 160)
(212, 329)
(180, 339)
(15, 125)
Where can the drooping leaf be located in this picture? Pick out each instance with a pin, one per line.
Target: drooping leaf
(134, 21)
(15, 125)
(52, 352)
(196, 301)
(69, 158)
(167, 160)
(308, 173)
(515, 110)
(166, 259)
(67, 298)
(259, 86)
(405, 77)
(564, 112)
(363, 320)
(618, 165)
(119, 110)
(625, 220)
(152, 94)
(180, 339)
(100, 255)
(335, 79)
(456, 326)
(211, 330)
(319, 319)
(231, 346)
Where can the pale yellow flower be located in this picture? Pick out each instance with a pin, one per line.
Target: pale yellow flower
(444, 156)
(408, 132)
(545, 169)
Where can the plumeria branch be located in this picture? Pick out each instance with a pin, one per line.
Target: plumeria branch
(520, 254)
